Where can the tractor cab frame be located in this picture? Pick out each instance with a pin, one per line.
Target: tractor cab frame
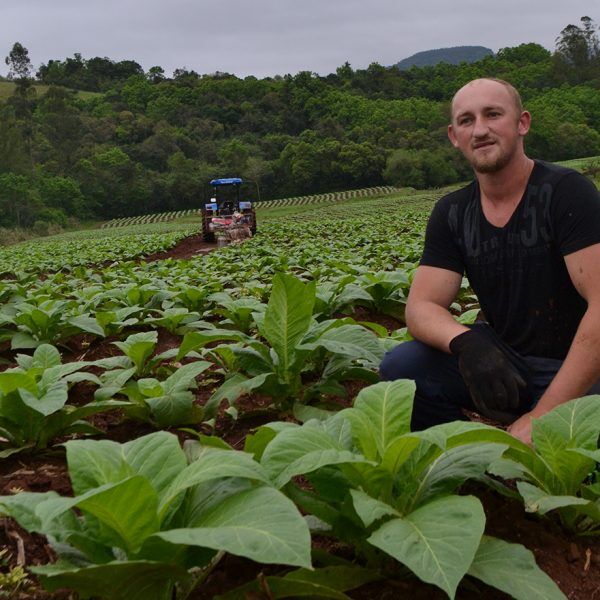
(227, 208)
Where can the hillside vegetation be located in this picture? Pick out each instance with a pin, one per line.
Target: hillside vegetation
(452, 56)
(138, 143)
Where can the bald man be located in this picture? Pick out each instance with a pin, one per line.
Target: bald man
(527, 235)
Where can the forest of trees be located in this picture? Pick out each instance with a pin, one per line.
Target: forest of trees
(146, 142)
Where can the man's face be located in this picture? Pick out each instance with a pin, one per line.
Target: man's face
(486, 126)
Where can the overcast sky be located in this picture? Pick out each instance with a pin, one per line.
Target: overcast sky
(270, 37)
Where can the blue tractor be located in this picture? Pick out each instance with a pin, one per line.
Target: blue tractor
(229, 209)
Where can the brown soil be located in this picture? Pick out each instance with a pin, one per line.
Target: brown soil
(390, 323)
(189, 247)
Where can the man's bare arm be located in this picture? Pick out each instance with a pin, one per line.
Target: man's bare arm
(581, 368)
(427, 316)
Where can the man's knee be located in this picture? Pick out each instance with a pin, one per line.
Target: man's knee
(409, 360)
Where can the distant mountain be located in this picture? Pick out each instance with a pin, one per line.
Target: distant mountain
(454, 55)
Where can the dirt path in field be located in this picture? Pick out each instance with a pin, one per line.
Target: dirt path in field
(188, 247)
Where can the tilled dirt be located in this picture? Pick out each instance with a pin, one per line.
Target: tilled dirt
(189, 247)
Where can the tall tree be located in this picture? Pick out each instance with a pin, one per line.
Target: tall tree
(578, 51)
(18, 62)
(19, 68)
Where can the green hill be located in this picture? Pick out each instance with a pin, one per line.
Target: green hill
(7, 89)
(454, 56)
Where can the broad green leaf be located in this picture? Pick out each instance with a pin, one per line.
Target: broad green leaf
(202, 498)
(234, 387)
(51, 401)
(370, 510)
(150, 387)
(45, 356)
(398, 452)
(350, 340)
(213, 463)
(175, 409)
(184, 377)
(301, 450)
(260, 524)
(452, 468)
(58, 372)
(537, 500)
(304, 413)
(280, 587)
(327, 582)
(158, 457)
(288, 316)
(93, 463)
(22, 507)
(138, 347)
(255, 443)
(575, 424)
(512, 569)
(12, 380)
(23, 340)
(438, 541)
(132, 580)
(87, 324)
(198, 339)
(593, 454)
(113, 382)
(129, 508)
(386, 408)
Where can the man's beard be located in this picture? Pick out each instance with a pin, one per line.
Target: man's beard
(492, 164)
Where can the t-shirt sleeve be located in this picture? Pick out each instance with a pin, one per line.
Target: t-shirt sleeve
(441, 249)
(576, 213)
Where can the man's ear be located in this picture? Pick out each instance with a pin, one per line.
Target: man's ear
(451, 136)
(524, 122)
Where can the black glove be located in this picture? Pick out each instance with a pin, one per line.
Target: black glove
(493, 382)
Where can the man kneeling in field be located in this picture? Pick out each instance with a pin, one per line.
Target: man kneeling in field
(527, 235)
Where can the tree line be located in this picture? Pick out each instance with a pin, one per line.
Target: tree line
(143, 142)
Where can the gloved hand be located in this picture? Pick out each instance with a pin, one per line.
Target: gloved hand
(493, 382)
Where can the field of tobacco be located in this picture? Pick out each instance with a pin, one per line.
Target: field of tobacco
(178, 421)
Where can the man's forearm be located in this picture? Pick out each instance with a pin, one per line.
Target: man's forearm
(432, 324)
(581, 368)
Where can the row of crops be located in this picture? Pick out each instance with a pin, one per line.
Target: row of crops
(91, 247)
(292, 317)
(163, 217)
(372, 192)
(166, 217)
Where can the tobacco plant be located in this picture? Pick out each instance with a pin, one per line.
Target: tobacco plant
(387, 491)
(149, 520)
(295, 345)
(561, 472)
(33, 401)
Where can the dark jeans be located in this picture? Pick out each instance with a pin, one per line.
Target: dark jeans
(442, 393)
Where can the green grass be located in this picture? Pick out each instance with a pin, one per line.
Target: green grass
(580, 164)
(7, 89)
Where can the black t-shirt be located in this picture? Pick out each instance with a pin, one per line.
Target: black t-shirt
(518, 271)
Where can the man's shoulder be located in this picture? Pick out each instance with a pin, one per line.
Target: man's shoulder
(553, 172)
(459, 196)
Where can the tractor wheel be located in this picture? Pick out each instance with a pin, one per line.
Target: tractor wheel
(207, 235)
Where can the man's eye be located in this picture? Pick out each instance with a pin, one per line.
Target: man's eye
(464, 121)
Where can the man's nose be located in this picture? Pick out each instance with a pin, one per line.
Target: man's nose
(480, 128)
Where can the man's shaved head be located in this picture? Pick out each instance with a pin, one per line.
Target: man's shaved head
(514, 94)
